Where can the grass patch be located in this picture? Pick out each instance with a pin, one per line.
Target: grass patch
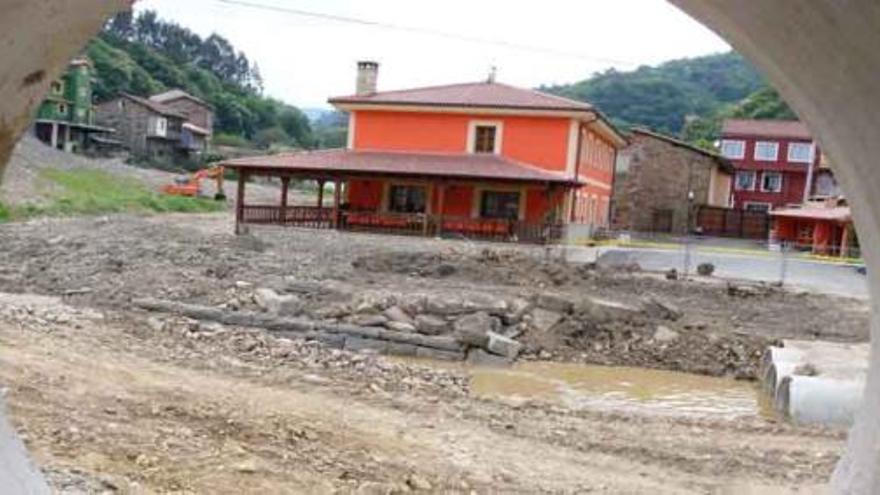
(94, 192)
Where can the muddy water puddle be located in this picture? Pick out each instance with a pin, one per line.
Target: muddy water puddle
(616, 389)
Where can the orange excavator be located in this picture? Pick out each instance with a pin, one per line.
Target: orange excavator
(191, 185)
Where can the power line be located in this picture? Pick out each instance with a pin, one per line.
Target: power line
(420, 30)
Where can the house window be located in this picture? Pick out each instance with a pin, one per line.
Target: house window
(800, 152)
(766, 151)
(62, 108)
(757, 207)
(406, 199)
(771, 182)
(733, 149)
(745, 181)
(484, 138)
(158, 126)
(500, 204)
(57, 87)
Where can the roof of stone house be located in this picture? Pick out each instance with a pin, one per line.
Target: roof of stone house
(793, 129)
(479, 94)
(394, 163)
(176, 94)
(724, 163)
(155, 106)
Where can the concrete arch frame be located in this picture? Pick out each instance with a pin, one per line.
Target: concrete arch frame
(822, 55)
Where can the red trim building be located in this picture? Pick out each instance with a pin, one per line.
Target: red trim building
(479, 159)
(775, 160)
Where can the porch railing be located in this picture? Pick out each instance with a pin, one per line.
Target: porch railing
(489, 229)
(305, 216)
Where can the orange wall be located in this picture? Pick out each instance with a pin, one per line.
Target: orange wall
(541, 141)
(365, 195)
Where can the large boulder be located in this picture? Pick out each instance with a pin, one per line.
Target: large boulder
(431, 325)
(503, 346)
(473, 329)
(395, 313)
(543, 320)
(516, 309)
(479, 357)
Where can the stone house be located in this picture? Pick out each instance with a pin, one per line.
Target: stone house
(199, 114)
(660, 182)
(152, 129)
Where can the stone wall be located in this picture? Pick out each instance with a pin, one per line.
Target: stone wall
(652, 193)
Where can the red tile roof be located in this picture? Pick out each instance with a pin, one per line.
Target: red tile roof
(794, 129)
(837, 213)
(392, 163)
(481, 94)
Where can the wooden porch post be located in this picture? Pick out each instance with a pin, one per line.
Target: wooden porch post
(239, 202)
(321, 194)
(285, 185)
(337, 186)
(441, 205)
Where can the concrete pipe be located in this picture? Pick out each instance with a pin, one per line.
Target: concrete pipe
(817, 400)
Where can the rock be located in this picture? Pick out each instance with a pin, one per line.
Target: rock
(247, 467)
(655, 308)
(485, 302)
(479, 357)
(672, 274)
(400, 326)
(445, 270)
(503, 346)
(369, 320)
(155, 324)
(665, 334)
(543, 320)
(472, 329)
(333, 311)
(416, 482)
(394, 313)
(554, 302)
(431, 325)
(706, 269)
(445, 306)
(600, 310)
(516, 310)
(272, 302)
(357, 344)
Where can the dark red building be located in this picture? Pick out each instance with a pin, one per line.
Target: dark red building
(774, 162)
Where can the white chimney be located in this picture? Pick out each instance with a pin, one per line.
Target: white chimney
(367, 74)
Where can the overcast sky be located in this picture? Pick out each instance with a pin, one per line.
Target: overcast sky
(304, 60)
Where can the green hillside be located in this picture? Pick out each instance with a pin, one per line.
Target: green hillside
(665, 97)
(143, 55)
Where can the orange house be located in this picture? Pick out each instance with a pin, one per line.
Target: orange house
(478, 159)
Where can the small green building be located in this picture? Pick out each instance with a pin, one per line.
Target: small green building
(66, 118)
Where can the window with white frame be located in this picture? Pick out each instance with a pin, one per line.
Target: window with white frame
(800, 152)
(734, 149)
(771, 182)
(766, 151)
(484, 137)
(745, 180)
(407, 199)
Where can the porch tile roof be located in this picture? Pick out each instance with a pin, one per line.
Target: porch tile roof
(480, 94)
(837, 213)
(408, 164)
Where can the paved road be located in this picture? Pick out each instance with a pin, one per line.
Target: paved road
(799, 272)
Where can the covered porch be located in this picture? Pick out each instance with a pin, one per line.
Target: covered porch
(457, 196)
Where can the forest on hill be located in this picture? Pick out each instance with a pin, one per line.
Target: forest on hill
(143, 55)
(687, 98)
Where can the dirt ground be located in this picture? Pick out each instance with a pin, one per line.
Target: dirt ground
(109, 398)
